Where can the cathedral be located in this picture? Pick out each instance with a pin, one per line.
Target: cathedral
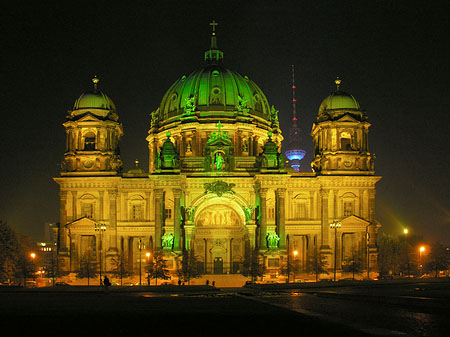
(217, 184)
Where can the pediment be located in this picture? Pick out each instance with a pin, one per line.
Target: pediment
(347, 118)
(82, 223)
(354, 221)
(89, 117)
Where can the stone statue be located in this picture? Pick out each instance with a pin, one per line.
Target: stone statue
(190, 212)
(248, 211)
(219, 161)
(272, 240)
(167, 240)
(190, 105)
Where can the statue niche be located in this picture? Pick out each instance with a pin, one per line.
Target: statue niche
(218, 151)
(167, 158)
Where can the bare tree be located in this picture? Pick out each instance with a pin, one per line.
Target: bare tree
(88, 265)
(120, 267)
(157, 267)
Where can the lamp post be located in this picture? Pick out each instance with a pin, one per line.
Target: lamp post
(367, 251)
(405, 231)
(148, 261)
(335, 225)
(100, 228)
(295, 253)
(140, 245)
(33, 257)
(421, 250)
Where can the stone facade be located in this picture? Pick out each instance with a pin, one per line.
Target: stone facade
(217, 184)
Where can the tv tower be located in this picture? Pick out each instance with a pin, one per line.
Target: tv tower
(294, 153)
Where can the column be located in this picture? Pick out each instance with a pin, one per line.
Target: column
(100, 208)
(74, 205)
(147, 206)
(312, 205)
(112, 194)
(63, 221)
(324, 216)
(263, 218)
(371, 205)
(176, 219)
(158, 194)
(281, 216)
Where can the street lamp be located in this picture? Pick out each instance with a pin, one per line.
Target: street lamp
(295, 253)
(33, 257)
(405, 231)
(421, 250)
(140, 245)
(100, 228)
(148, 254)
(367, 251)
(335, 225)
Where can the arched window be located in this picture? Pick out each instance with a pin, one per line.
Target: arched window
(87, 204)
(346, 141)
(348, 204)
(301, 204)
(89, 141)
(136, 207)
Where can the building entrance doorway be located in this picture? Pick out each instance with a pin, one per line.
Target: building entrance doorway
(218, 265)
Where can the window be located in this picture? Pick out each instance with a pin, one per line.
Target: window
(168, 213)
(348, 208)
(87, 210)
(271, 213)
(89, 141)
(346, 141)
(301, 210)
(136, 212)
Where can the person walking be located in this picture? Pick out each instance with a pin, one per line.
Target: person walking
(106, 284)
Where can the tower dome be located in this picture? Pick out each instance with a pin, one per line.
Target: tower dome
(339, 103)
(94, 99)
(95, 102)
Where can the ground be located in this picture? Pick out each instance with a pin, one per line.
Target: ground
(391, 308)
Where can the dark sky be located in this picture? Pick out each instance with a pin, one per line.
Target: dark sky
(393, 56)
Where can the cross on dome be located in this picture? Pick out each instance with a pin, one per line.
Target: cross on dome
(214, 24)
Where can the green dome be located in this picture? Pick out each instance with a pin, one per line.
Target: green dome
(339, 100)
(94, 100)
(213, 91)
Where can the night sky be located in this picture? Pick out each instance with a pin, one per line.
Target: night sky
(393, 56)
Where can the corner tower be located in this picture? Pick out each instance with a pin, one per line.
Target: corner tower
(93, 132)
(340, 137)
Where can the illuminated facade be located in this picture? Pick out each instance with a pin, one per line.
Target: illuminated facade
(216, 183)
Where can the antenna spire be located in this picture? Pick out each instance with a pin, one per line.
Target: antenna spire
(294, 106)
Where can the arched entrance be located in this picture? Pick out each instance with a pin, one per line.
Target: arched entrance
(219, 238)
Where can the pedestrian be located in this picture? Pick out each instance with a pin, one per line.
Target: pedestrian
(106, 284)
(207, 282)
(213, 283)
